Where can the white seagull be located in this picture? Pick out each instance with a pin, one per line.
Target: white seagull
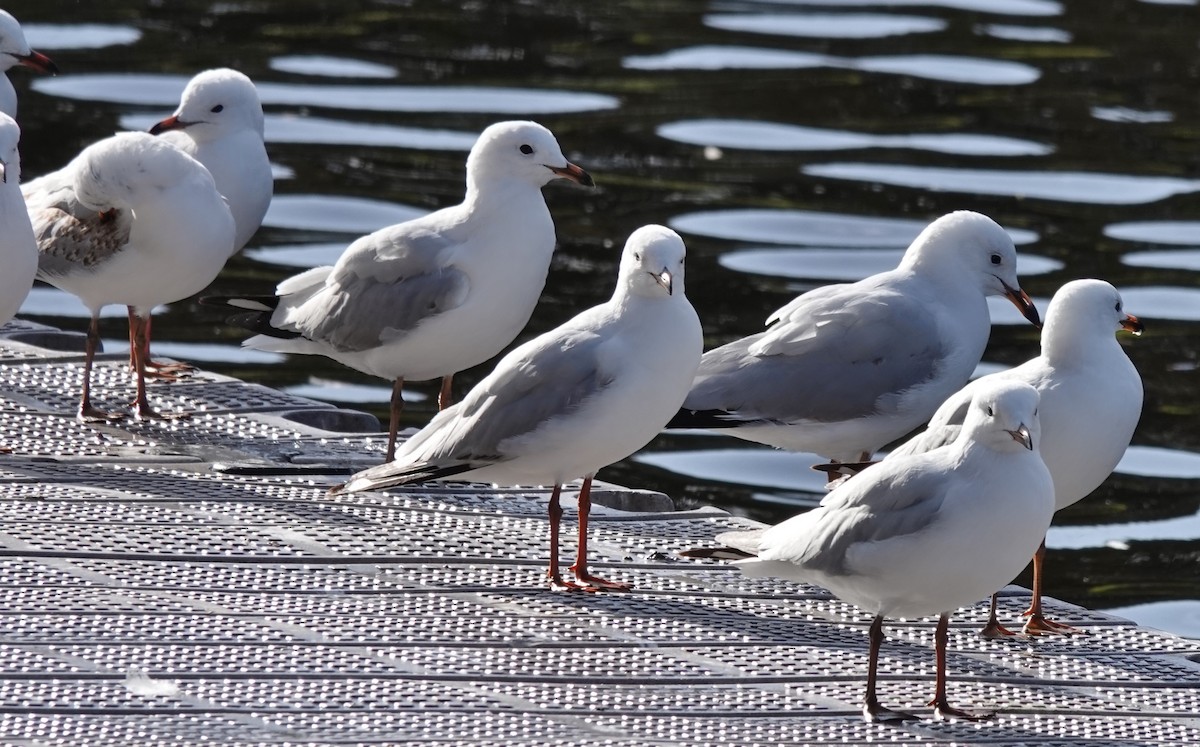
(131, 220)
(577, 398)
(437, 294)
(14, 50)
(1091, 401)
(845, 369)
(18, 250)
(219, 122)
(922, 534)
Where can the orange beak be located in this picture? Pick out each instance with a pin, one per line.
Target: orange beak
(574, 173)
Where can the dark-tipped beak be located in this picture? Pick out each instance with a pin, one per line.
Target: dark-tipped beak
(172, 122)
(38, 61)
(574, 173)
(1132, 324)
(1021, 435)
(1023, 303)
(665, 279)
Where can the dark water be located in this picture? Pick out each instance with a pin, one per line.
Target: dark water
(792, 143)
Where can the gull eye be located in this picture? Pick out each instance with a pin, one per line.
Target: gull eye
(989, 412)
(1118, 306)
(996, 259)
(218, 109)
(527, 149)
(637, 256)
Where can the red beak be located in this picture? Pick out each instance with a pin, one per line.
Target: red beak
(38, 61)
(170, 123)
(574, 173)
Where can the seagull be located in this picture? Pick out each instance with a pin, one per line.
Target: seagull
(437, 294)
(130, 220)
(921, 534)
(18, 250)
(14, 50)
(1091, 401)
(577, 398)
(219, 122)
(845, 369)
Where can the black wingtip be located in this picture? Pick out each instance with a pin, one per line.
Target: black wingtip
(686, 418)
(716, 553)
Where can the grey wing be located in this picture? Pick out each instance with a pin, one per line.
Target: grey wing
(383, 287)
(546, 379)
(71, 238)
(856, 362)
(890, 500)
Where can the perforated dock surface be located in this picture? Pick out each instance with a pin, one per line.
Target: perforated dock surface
(169, 582)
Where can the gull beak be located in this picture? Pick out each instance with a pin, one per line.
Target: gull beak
(1021, 436)
(664, 279)
(574, 173)
(172, 122)
(38, 61)
(1023, 303)
(1132, 324)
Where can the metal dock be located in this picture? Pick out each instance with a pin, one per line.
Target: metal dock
(190, 582)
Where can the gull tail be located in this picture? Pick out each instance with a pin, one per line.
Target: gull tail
(687, 418)
(392, 474)
(716, 553)
(256, 316)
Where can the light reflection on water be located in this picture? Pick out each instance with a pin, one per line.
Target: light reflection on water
(1071, 132)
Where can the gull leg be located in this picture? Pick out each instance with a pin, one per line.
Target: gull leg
(555, 513)
(394, 421)
(87, 412)
(591, 582)
(941, 708)
(152, 368)
(141, 404)
(993, 628)
(446, 394)
(1037, 624)
(872, 710)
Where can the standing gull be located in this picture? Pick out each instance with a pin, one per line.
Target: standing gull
(131, 220)
(432, 296)
(219, 122)
(18, 250)
(1091, 401)
(922, 534)
(572, 400)
(14, 50)
(845, 369)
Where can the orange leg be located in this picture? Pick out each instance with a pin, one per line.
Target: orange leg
(1037, 624)
(942, 708)
(446, 394)
(397, 407)
(141, 404)
(872, 710)
(86, 410)
(152, 368)
(993, 628)
(594, 583)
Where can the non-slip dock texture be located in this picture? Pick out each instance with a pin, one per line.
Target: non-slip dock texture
(190, 582)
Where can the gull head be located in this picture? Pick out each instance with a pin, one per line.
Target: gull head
(652, 263)
(523, 151)
(966, 247)
(10, 158)
(14, 50)
(215, 103)
(1088, 308)
(1004, 416)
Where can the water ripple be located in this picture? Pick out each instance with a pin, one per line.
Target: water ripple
(164, 90)
(948, 68)
(791, 227)
(1175, 232)
(825, 25)
(1064, 186)
(335, 67)
(78, 36)
(770, 136)
(355, 215)
(842, 265)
